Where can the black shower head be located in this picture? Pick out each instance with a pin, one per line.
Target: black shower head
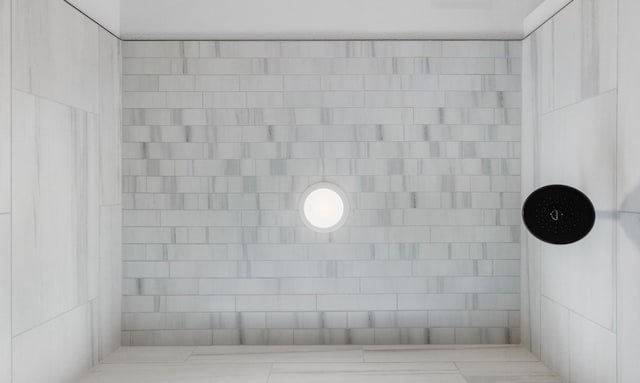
(558, 214)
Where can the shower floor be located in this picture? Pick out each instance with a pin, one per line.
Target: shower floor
(321, 364)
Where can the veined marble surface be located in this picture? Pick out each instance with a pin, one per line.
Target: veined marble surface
(220, 139)
(311, 364)
(60, 251)
(574, 295)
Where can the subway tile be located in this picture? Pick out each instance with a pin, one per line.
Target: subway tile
(222, 139)
(192, 303)
(358, 302)
(475, 49)
(152, 49)
(276, 303)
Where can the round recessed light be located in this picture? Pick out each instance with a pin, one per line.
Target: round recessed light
(323, 207)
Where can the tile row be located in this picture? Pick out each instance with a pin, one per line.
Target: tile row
(246, 167)
(363, 336)
(348, 235)
(376, 133)
(298, 184)
(452, 294)
(306, 66)
(454, 87)
(320, 116)
(329, 49)
(235, 231)
(306, 270)
(202, 284)
(136, 321)
(323, 90)
(361, 153)
(277, 252)
(364, 203)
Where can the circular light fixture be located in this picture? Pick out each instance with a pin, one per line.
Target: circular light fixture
(324, 207)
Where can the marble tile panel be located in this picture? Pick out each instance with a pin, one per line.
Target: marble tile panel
(628, 311)
(61, 348)
(368, 374)
(183, 373)
(164, 354)
(494, 369)
(272, 125)
(592, 351)
(584, 51)
(55, 53)
(578, 149)
(628, 97)
(110, 277)
(446, 354)
(50, 208)
(5, 190)
(554, 337)
(277, 354)
(110, 131)
(5, 297)
(5, 106)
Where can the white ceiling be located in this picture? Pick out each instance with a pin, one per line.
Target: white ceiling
(312, 19)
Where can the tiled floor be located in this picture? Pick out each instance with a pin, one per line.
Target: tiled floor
(320, 364)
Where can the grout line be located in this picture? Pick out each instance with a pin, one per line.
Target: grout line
(615, 265)
(87, 303)
(572, 311)
(613, 90)
(11, 361)
(270, 371)
(193, 349)
(58, 102)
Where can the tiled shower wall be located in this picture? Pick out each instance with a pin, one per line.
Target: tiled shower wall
(221, 139)
(581, 88)
(60, 182)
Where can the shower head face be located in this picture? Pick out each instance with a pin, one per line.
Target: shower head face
(558, 214)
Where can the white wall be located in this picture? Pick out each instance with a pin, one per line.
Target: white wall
(327, 19)
(60, 192)
(628, 231)
(580, 116)
(105, 12)
(5, 190)
(221, 139)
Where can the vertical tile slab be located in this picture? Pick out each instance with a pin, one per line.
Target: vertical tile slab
(92, 274)
(530, 269)
(55, 53)
(5, 106)
(110, 118)
(584, 50)
(578, 149)
(5, 297)
(49, 185)
(592, 351)
(5, 190)
(554, 334)
(628, 112)
(110, 286)
(628, 255)
(58, 351)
